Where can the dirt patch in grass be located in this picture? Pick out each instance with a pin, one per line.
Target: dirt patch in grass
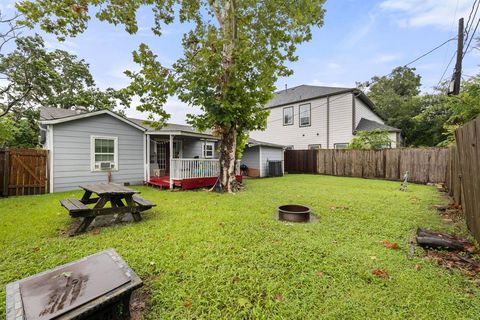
(139, 303)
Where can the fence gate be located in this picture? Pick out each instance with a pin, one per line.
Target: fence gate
(23, 172)
(301, 161)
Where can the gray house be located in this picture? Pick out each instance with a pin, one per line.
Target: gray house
(317, 117)
(89, 147)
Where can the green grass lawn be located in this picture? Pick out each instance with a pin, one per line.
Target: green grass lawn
(207, 255)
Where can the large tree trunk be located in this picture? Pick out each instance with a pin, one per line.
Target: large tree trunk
(228, 147)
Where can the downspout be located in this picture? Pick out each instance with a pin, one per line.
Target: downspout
(328, 122)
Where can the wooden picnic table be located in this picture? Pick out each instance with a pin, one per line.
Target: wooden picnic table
(123, 200)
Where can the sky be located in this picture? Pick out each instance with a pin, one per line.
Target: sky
(359, 39)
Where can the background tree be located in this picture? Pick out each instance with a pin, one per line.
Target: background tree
(233, 54)
(370, 140)
(34, 77)
(395, 97)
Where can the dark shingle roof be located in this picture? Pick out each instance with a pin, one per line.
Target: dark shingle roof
(169, 127)
(303, 92)
(253, 142)
(369, 125)
(49, 113)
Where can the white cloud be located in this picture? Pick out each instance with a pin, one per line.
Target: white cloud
(419, 13)
(177, 109)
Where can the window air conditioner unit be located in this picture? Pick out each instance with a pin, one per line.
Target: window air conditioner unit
(106, 165)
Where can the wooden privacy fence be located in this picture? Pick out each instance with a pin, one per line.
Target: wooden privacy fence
(23, 172)
(301, 161)
(464, 180)
(424, 165)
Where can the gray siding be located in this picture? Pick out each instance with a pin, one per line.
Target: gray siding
(251, 157)
(193, 148)
(72, 158)
(269, 153)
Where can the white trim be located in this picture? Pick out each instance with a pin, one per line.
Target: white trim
(148, 156)
(182, 133)
(145, 150)
(93, 114)
(92, 152)
(204, 145)
(171, 163)
(260, 160)
(50, 148)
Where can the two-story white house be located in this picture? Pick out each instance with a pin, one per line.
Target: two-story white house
(317, 117)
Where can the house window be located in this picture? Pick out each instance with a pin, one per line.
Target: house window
(287, 116)
(340, 145)
(304, 115)
(104, 153)
(314, 146)
(208, 149)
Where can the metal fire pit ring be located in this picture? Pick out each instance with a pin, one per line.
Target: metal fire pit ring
(294, 213)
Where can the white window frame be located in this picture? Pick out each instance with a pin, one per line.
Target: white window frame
(293, 116)
(309, 106)
(92, 152)
(314, 146)
(204, 149)
(340, 146)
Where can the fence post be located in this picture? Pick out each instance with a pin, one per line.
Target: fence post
(6, 170)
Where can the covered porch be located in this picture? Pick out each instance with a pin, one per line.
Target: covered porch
(185, 160)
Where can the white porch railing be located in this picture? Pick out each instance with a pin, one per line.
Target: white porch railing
(196, 168)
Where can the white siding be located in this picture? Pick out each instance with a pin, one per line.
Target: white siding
(341, 118)
(269, 153)
(299, 137)
(71, 152)
(393, 138)
(363, 111)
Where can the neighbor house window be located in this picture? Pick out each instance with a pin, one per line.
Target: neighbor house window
(340, 145)
(287, 116)
(304, 114)
(314, 146)
(208, 149)
(104, 153)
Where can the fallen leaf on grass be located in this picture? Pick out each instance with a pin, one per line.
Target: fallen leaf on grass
(418, 267)
(187, 304)
(390, 245)
(279, 298)
(236, 280)
(373, 258)
(242, 302)
(380, 273)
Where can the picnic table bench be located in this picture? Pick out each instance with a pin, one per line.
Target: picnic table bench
(123, 200)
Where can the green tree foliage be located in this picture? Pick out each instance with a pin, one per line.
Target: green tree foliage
(396, 99)
(233, 54)
(425, 119)
(443, 114)
(36, 77)
(370, 140)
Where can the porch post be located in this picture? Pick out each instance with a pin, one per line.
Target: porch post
(147, 160)
(171, 157)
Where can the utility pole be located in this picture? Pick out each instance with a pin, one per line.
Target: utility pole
(457, 75)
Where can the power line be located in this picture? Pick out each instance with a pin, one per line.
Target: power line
(445, 71)
(471, 18)
(471, 38)
(430, 51)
